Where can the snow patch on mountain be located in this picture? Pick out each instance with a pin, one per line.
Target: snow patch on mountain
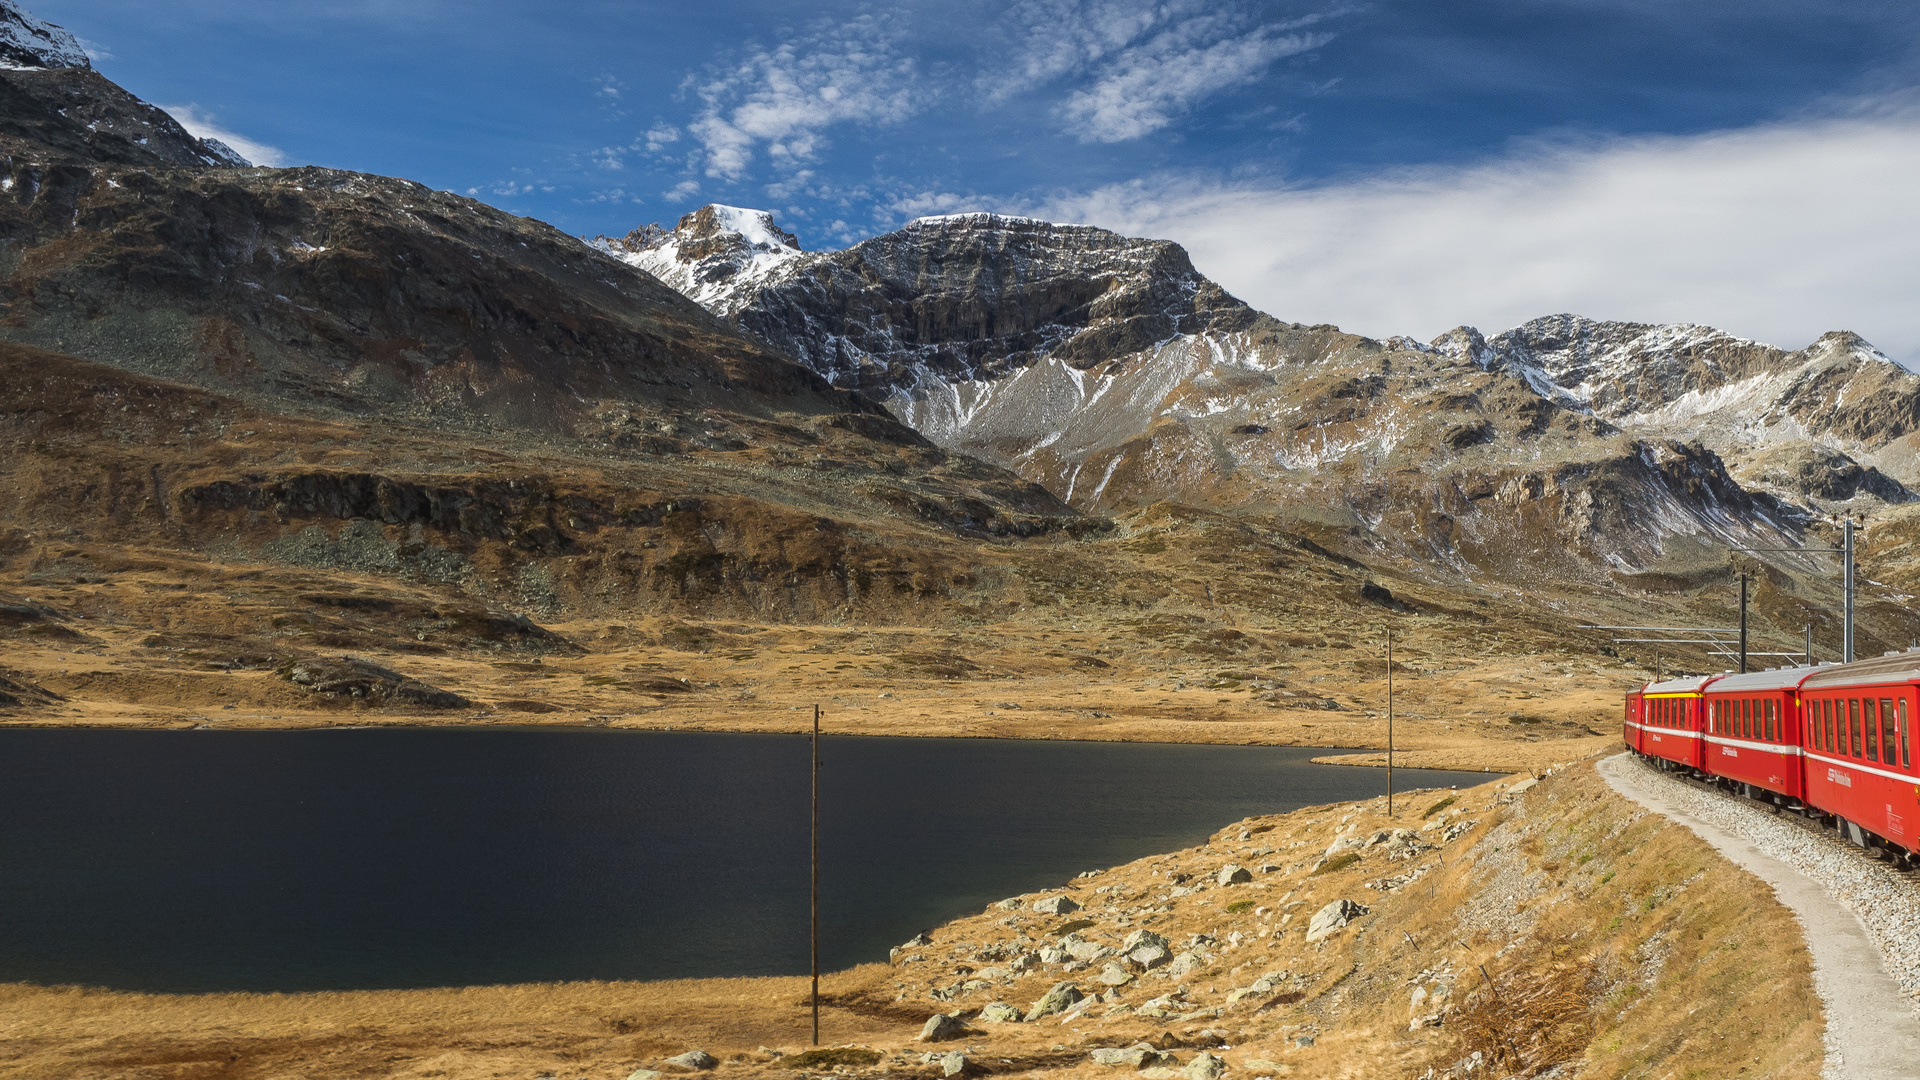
(27, 41)
(718, 256)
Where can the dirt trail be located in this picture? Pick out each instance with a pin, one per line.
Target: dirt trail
(1871, 1032)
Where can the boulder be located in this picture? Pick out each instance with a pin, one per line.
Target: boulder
(1151, 956)
(940, 1028)
(999, 1012)
(1205, 1067)
(1130, 1056)
(694, 1059)
(1056, 905)
(1233, 875)
(1115, 974)
(1186, 964)
(1009, 904)
(953, 1064)
(1061, 997)
(1140, 938)
(1088, 951)
(1331, 918)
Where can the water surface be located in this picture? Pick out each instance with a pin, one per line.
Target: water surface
(358, 859)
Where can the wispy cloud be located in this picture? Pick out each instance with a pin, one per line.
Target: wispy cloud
(1779, 232)
(1150, 86)
(202, 124)
(1140, 65)
(781, 101)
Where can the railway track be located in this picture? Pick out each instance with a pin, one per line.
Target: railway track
(1900, 864)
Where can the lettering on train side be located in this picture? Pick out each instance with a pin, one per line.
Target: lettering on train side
(1839, 777)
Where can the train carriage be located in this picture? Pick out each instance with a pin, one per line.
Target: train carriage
(1633, 726)
(1858, 746)
(1669, 725)
(1753, 734)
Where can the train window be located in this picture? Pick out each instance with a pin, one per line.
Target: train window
(1887, 736)
(1871, 717)
(1826, 713)
(1853, 723)
(1906, 757)
(1772, 721)
(1746, 718)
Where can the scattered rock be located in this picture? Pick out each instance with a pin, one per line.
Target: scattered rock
(1130, 1056)
(1115, 974)
(354, 678)
(1303, 1040)
(915, 942)
(1523, 785)
(941, 1028)
(1332, 917)
(1056, 905)
(1141, 938)
(953, 1064)
(1150, 956)
(1009, 904)
(1205, 1067)
(1186, 964)
(999, 1012)
(1062, 996)
(1233, 875)
(694, 1059)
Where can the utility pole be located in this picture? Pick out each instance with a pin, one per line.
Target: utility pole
(1846, 544)
(1389, 720)
(813, 930)
(1743, 622)
(1809, 644)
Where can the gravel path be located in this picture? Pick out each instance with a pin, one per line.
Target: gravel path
(1866, 969)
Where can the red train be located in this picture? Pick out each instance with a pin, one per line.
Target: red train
(1831, 740)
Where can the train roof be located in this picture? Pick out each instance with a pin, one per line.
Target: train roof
(1892, 668)
(1689, 685)
(1777, 679)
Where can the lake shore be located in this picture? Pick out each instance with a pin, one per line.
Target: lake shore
(1522, 886)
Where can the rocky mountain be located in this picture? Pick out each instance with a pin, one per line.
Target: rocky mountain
(961, 298)
(1110, 371)
(27, 41)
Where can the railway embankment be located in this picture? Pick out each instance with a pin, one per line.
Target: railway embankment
(1524, 927)
(1860, 916)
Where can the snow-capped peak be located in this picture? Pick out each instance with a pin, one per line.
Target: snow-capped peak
(711, 254)
(27, 41)
(756, 227)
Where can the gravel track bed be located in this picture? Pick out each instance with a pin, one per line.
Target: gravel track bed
(1887, 903)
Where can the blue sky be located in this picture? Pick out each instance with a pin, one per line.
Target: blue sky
(1265, 136)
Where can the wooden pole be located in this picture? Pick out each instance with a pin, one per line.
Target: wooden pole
(813, 930)
(1389, 721)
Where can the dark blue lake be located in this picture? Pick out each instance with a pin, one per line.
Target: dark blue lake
(360, 859)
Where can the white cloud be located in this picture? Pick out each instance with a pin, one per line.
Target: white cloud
(203, 125)
(1149, 85)
(685, 189)
(1778, 233)
(1147, 61)
(95, 51)
(659, 137)
(779, 101)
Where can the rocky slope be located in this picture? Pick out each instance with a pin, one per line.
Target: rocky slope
(1112, 373)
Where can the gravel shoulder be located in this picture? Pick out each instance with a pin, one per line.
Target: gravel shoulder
(1861, 920)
